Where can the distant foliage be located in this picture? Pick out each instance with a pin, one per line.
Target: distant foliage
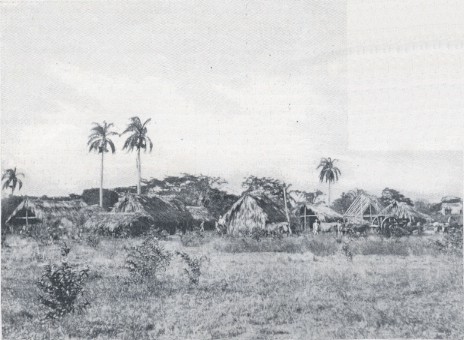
(148, 259)
(92, 197)
(391, 195)
(193, 270)
(62, 288)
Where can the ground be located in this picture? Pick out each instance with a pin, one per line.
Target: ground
(243, 295)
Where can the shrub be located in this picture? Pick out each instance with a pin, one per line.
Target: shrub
(321, 246)
(92, 240)
(62, 286)
(193, 270)
(195, 239)
(347, 252)
(148, 259)
(453, 240)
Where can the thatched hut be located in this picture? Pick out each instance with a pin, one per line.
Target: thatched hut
(164, 214)
(119, 224)
(403, 211)
(251, 212)
(36, 210)
(308, 213)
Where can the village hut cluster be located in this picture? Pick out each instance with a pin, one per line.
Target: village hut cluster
(134, 215)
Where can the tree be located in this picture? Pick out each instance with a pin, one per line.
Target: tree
(137, 140)
(329, 171)
(342, 204)
(391, 195)
(423, 206)
(99, 141)
(11, 179)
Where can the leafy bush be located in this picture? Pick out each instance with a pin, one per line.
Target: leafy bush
(347, 252)
(92, 240)
(453, 240)
(193, 270)
(148, 259)
(258, 233)
(195, 239)
(62, 287)
(321, 246)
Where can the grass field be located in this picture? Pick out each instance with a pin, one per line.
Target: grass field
(305, 289)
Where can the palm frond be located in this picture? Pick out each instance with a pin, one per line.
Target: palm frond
(111, 144)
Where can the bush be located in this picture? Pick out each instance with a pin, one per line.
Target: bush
(321, 246)
(193, 270)
(92, 240)
(62, 286)
(453, 240)
(148, 259)
(195, 239)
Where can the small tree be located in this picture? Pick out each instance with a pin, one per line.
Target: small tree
(193, 270)
(62, 287)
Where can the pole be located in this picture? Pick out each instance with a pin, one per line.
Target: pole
(286, 209)
(304, 225)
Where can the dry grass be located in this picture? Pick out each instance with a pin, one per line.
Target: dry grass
(262, 295)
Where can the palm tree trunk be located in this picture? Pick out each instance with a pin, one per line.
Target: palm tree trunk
(139, 173)
(329, 193)
(101, 182)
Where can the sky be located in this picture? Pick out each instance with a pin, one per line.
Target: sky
(234, 88)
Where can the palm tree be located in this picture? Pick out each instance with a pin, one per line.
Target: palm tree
(10, 179)
(99, 140)
(137, 140)
(329, 171)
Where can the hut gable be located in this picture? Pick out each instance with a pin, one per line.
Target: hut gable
(251, 212)
(161, 211)
(37, 210)
(363, 205)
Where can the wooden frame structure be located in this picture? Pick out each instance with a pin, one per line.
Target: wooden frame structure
(363, 203)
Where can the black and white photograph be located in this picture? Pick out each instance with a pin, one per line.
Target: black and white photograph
(232, 169)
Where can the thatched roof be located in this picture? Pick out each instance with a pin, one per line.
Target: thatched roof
(119, 224)
(162, 212)
(200, 213)
(402, 210)
(41, 209)
(251, 212)
(321, 211)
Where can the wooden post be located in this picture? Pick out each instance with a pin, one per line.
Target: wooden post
(370, 213)
(27, 222)
(304, 225)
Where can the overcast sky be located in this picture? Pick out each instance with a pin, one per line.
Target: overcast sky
(233, 88)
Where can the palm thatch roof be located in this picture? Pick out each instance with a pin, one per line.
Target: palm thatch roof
(251, 212)
(402, 210)
(321, 211)
(200, 213)
(119, 224)
(364, 204)
(41, 209)
(161, 211)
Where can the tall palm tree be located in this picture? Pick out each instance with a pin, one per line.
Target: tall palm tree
(329, 171)
(10, 179)
(99, 141)
(137, 140)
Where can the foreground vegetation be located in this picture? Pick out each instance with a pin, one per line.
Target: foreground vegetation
(306, 288)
